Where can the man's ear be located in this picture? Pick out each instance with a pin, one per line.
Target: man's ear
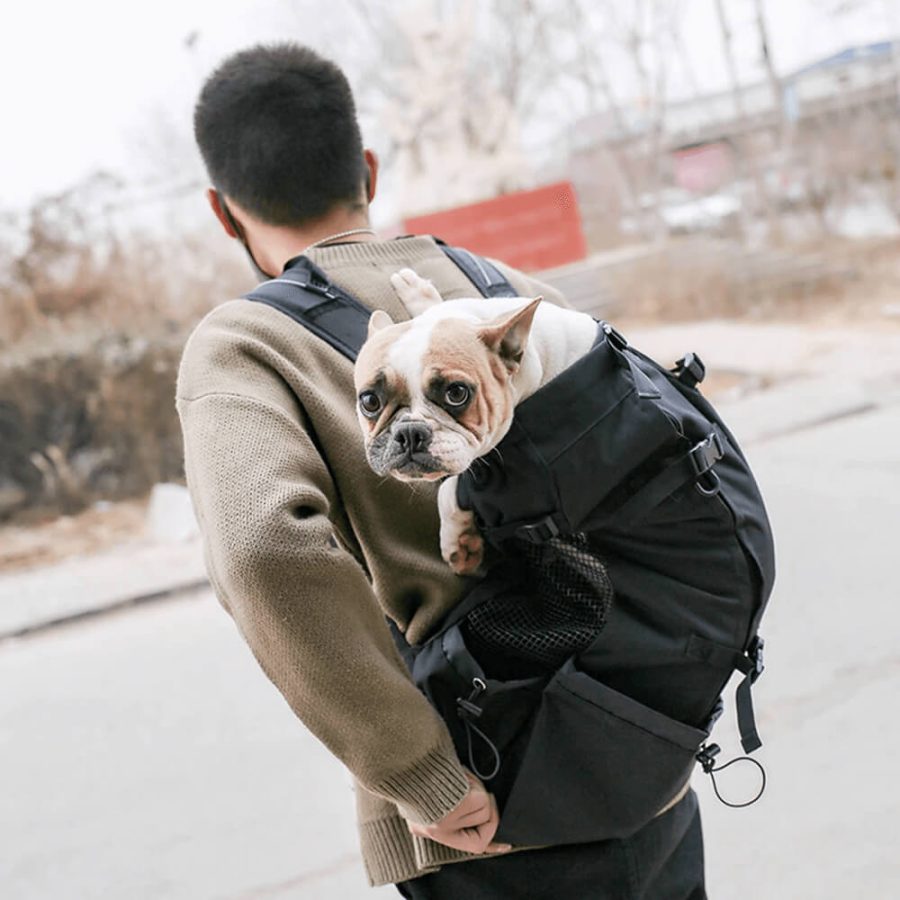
(378, 320)
(371, 161)
(508, 336)
(212, 195)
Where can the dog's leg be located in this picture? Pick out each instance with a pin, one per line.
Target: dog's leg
(415, 293)
(462, 547)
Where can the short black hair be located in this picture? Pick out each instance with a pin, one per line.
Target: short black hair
(276, 126)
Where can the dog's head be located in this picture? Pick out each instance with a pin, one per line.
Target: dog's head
(435, 393)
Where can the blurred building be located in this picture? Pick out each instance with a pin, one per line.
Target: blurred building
(791, 134)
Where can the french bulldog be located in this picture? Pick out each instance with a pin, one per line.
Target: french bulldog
(438, 392)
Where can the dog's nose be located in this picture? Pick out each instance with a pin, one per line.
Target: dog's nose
(412, 437)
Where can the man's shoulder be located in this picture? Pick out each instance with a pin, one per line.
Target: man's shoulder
(234, 343)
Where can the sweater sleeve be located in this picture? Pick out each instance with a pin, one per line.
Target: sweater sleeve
(263, 497)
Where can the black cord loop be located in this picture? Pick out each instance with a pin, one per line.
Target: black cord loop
(484, 776)
(707, 759)
(469, 710)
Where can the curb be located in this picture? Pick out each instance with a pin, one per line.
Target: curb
(76, 616)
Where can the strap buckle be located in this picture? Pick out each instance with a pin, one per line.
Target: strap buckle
(755, 655)
(706, 756)
(538, 532)
(322, 288)
(690, 370)
(616, 338)
(707, 453)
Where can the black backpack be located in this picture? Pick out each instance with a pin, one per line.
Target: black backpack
(621, 462)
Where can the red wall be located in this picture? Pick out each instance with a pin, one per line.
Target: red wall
(529, 230)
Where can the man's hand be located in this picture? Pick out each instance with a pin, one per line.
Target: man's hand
(471, 826)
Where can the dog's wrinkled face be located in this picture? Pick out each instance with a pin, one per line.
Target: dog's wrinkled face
(435, 393)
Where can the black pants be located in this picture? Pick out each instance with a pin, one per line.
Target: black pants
(662, 861)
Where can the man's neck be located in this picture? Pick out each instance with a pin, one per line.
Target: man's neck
(282, 244)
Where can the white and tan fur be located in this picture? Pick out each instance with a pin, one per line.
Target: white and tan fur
(497, 350)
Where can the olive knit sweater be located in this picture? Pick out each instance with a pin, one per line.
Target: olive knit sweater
(308, 549)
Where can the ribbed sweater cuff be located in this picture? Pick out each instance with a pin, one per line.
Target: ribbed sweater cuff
(387, 851)
(426, 792)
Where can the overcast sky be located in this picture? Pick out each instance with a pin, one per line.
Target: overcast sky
(106, 83)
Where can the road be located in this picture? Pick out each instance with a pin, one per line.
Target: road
(145, 757)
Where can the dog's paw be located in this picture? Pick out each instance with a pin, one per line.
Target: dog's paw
(415, 292)
(465, 554)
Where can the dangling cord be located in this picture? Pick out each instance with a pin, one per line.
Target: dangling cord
(484, 776)
(467, 710)
(707, 759)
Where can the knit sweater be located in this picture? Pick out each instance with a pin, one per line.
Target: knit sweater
(308, 550)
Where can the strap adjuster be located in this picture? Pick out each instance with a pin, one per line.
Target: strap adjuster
(707, 453)
(616, 338)
(755, 655)
(538, 532)
(690, 370)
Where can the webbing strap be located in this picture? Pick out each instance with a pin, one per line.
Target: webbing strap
(750, 739)
(751, 664)
(695, 465)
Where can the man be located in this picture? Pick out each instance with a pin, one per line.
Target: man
(306, 547)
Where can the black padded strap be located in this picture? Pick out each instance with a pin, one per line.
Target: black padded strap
(304, 293)
(489, 280)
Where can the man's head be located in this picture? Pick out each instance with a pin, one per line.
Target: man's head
(276, 126)
(277, 129)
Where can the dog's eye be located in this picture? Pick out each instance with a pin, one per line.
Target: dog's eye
(457, 394)
(369, 404)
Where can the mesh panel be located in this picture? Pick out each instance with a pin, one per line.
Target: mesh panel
(562, 610)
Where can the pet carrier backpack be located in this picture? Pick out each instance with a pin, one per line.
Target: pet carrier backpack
(621, 501)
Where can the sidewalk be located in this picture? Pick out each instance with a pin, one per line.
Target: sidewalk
(788, 378)
(130, 573)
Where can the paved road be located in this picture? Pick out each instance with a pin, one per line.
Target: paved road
(144, 757)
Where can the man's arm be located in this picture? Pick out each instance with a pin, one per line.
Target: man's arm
(263, 497)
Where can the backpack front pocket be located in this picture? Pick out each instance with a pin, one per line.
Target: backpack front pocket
(598, 765)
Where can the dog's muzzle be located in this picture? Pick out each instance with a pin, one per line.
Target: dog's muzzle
(404, 450)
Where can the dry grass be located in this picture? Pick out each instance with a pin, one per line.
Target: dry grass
(691, 280)
(92, 323)
(36, 541)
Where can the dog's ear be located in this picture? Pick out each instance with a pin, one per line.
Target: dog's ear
(508, 336)
(378, 320)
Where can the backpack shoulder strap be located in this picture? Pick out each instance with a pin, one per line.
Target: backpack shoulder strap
(489, 280)
(304, 293)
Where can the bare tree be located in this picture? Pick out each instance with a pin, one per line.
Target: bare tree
(639, 29)
(745, 164)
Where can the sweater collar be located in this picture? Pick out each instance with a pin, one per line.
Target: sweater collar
(404, 251)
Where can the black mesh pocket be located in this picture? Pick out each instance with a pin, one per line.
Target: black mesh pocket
(559, 610)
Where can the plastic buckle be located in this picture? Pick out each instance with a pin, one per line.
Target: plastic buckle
(690, 370)
(705, 454)
(707, 756)
(323, 289)
(467, 709)
(616, 338)
(755, 655)
(538, 532)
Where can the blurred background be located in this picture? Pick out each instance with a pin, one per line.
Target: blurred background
(720, 176)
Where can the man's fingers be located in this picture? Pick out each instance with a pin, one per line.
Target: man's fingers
(470, 827)
(472, 819)
(498, 848)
